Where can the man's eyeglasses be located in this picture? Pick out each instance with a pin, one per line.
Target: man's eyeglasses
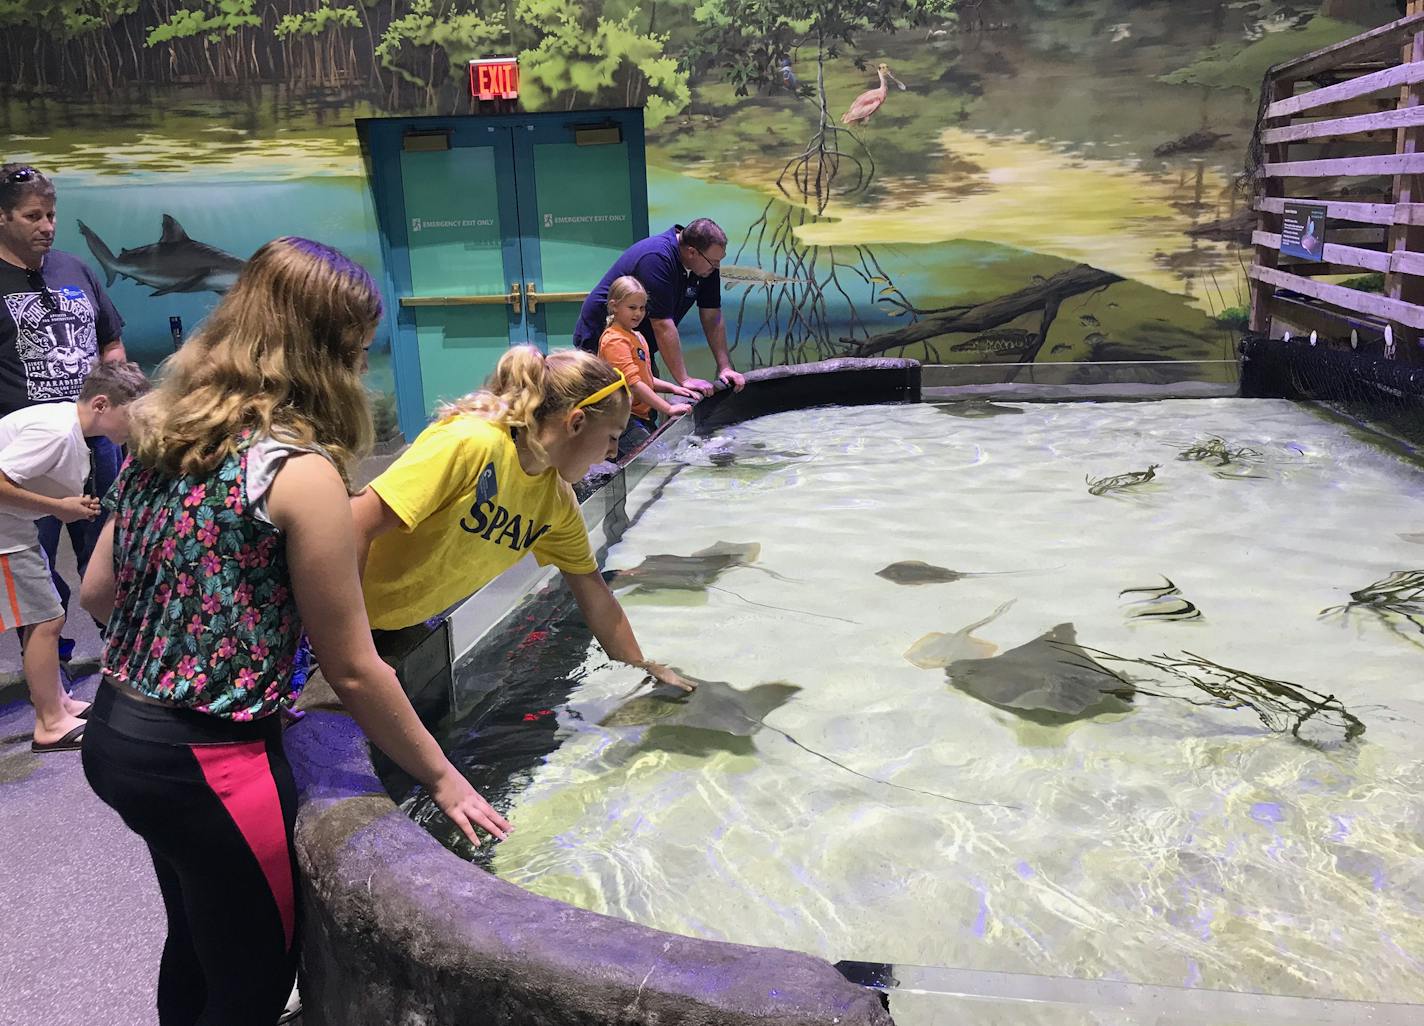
(714, 264)
(21, 175)
(36, 281)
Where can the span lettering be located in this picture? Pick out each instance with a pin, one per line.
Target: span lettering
(486, 518)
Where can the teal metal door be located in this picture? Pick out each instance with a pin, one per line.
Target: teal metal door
(493, 230)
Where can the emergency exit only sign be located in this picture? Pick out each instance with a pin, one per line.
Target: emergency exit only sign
(495, 78)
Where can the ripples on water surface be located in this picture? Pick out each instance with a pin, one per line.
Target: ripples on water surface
(1170, 844)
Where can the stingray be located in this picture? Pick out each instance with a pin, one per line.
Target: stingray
(1414, 539)
(719, 717)
(715, 706)
(697, 572)
(690, 573)
(976, 409)
(913, 572)
(937, 651)
(1049, 680)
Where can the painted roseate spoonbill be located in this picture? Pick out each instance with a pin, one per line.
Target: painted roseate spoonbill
(868, 102)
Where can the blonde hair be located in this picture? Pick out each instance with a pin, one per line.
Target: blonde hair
(621, 289)
(528, 387)
(280, 356)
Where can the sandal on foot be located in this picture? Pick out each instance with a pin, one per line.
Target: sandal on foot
(69, 743)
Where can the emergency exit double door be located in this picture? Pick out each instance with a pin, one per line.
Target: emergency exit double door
(493, 230)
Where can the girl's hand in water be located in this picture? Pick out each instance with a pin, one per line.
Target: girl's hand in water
(667, 675)
(467, 808)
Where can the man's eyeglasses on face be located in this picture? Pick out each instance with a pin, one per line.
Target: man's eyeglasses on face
(714, 264)
(20, 175)
(36, 281)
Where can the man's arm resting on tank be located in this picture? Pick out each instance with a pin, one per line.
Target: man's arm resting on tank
(605, 617)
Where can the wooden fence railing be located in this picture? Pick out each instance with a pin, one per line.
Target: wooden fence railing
(1344, 127)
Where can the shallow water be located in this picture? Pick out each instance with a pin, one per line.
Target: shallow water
(1170, 844)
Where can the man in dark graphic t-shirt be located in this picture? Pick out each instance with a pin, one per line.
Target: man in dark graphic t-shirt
(55, 324)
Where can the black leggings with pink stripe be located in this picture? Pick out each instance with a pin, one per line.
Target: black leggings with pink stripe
(215, 802)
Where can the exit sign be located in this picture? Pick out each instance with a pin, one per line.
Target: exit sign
(495, 78)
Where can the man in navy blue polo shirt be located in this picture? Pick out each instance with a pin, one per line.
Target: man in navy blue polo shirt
(677, 268)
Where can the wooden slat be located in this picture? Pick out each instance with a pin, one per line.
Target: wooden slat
(1366, 213)
(1369, 259)
(1383, 164)
(1402, 261)
(1382, 121)
(1390, 78)
(1343, 210)
(1360, 302)
(1375, 41)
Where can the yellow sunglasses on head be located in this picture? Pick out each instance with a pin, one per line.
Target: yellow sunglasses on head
(604, 392)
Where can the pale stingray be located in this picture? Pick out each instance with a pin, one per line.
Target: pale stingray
(936, 651)
(1415, 539)
(1051, 679)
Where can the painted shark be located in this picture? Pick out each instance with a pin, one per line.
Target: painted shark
(175, 263)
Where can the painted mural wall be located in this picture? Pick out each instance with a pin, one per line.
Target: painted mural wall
(963, 180)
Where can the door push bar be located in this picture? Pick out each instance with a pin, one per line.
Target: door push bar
(516, 298)
(535, 298)
(513, 298)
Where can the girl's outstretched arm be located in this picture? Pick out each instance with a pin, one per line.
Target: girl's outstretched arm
(308, 502)
(605, 617)
(96, 591)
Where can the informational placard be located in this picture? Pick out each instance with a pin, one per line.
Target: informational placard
(1303, 231)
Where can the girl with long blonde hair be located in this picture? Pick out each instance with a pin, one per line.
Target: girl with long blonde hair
(623, 346)
(231, 533)
(490, 480)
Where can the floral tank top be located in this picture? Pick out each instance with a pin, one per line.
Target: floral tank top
(204, 616)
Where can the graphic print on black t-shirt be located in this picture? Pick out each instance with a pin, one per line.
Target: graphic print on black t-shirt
(56, 341)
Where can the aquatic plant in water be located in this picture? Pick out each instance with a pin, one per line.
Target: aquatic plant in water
(1400, 596)
(1111, 484)
(1280, 705)
(1216, 449)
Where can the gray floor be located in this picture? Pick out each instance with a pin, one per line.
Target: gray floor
(81, 924)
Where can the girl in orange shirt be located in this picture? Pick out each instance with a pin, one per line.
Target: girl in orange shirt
(627, 350)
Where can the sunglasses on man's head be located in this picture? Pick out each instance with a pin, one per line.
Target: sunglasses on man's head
(36, 281)
(21, 175)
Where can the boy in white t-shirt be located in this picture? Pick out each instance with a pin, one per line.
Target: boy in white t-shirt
(44, 467)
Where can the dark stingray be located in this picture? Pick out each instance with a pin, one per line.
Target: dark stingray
(715, 717)
(688, 573)
(914, 571)
(976, 409)
(1050, 680)
(720, 718)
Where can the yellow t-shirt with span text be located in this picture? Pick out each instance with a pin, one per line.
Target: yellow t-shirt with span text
(469, 513)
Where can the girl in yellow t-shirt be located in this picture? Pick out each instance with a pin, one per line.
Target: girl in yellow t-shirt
(627, 350)
(490, 480)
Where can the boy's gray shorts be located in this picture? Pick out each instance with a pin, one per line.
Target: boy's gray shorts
(27, 594)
